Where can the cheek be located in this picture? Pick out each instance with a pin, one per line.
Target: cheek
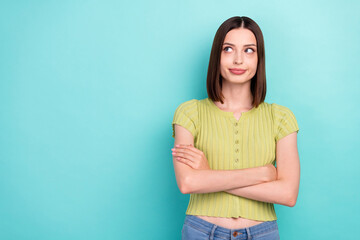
(254, 67)
(224, 62)
(222, 71)
(254, 63)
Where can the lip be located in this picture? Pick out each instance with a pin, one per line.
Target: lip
(237, 71)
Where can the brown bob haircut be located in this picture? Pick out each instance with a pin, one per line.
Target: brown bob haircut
(214, 78)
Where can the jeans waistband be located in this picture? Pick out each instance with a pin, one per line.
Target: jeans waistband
(209, 227)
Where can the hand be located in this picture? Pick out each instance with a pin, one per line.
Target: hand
(270, 172)
(190, 156)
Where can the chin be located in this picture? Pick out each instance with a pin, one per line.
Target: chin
(235, 81)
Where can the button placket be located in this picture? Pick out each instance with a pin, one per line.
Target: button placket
(236, 144)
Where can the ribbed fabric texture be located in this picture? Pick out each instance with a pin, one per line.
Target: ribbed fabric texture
(234, 144)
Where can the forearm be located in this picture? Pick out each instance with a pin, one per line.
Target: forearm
(205, 181)
(278, 192)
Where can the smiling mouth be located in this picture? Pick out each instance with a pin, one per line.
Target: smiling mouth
(237, 71)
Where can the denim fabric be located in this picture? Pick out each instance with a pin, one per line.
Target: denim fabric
(195, 228)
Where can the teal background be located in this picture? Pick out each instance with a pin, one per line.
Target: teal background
(88, 90)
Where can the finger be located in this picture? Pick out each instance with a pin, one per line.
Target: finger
(185, 151)
(182, 145)
(185, 161)
(190, 148)
(195, 149)
(181, 148)
(184, 155)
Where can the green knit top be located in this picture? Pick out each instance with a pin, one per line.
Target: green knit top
(234, 144)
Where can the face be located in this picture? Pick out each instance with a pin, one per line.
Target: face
(238, 61)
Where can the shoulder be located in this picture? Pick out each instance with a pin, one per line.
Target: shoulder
(186, 115)
(284, 121)
(273, 109)
(188, 104)
(187, 107)
(280, 110)
(283, 115)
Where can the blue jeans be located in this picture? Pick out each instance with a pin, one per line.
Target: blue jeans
(195, 228)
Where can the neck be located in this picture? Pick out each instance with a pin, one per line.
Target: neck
(237, 97)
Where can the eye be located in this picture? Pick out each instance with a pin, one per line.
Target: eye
(252, 50)
(227, 49)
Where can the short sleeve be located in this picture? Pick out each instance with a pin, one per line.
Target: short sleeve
(186, 115)
(284, 121)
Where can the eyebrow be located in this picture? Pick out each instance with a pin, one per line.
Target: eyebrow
(246, 45)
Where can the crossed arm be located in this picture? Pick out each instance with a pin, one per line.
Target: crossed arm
(253, 183)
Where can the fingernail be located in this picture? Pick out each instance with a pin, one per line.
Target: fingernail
(177, 145)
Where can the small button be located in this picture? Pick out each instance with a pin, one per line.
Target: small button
(236, 141)
(236, 160)
(236, 150)
(236, 124)
(236, 233)
(236, 132)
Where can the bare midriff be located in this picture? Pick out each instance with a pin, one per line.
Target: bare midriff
(231, 222)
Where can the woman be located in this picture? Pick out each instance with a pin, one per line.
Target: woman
(226, 145)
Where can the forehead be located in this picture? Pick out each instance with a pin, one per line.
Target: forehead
(240, 36)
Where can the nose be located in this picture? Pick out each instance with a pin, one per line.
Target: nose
(238, 57)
